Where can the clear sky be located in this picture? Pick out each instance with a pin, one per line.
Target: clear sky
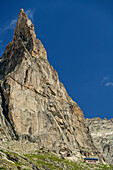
(78, 37)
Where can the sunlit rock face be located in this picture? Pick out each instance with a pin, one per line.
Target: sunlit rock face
(35, 103)
(102, 133)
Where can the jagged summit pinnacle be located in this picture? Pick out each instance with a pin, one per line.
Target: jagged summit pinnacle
(21, 10)
(24, 27)
(24, 38)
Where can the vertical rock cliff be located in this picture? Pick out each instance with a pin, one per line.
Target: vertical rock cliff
(34, 104)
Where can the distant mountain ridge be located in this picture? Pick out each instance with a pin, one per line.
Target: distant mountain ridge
(102, 133)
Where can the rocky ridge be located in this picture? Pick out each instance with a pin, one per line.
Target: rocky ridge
(102, 134)
(34, 104)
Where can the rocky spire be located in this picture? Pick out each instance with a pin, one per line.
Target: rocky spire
(35, 102)
(24, 38)
(25, 31)
(24, 28)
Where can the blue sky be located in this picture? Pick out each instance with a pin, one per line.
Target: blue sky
(78, 37)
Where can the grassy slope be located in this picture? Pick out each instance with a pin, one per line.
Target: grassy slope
(42, 160)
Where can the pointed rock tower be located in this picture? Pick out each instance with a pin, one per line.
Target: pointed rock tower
(34, 103)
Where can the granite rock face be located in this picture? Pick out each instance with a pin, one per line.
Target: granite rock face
(102, 133)
(34, 103)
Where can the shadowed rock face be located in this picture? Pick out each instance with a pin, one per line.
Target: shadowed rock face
(33, 101)
(102, 133)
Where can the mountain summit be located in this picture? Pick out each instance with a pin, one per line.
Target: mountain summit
(24, 28)
(34, 104)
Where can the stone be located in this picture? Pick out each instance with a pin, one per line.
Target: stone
(102, 135)
(35, 103)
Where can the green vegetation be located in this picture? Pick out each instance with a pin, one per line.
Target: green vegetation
(51, 162)
(44, 160)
